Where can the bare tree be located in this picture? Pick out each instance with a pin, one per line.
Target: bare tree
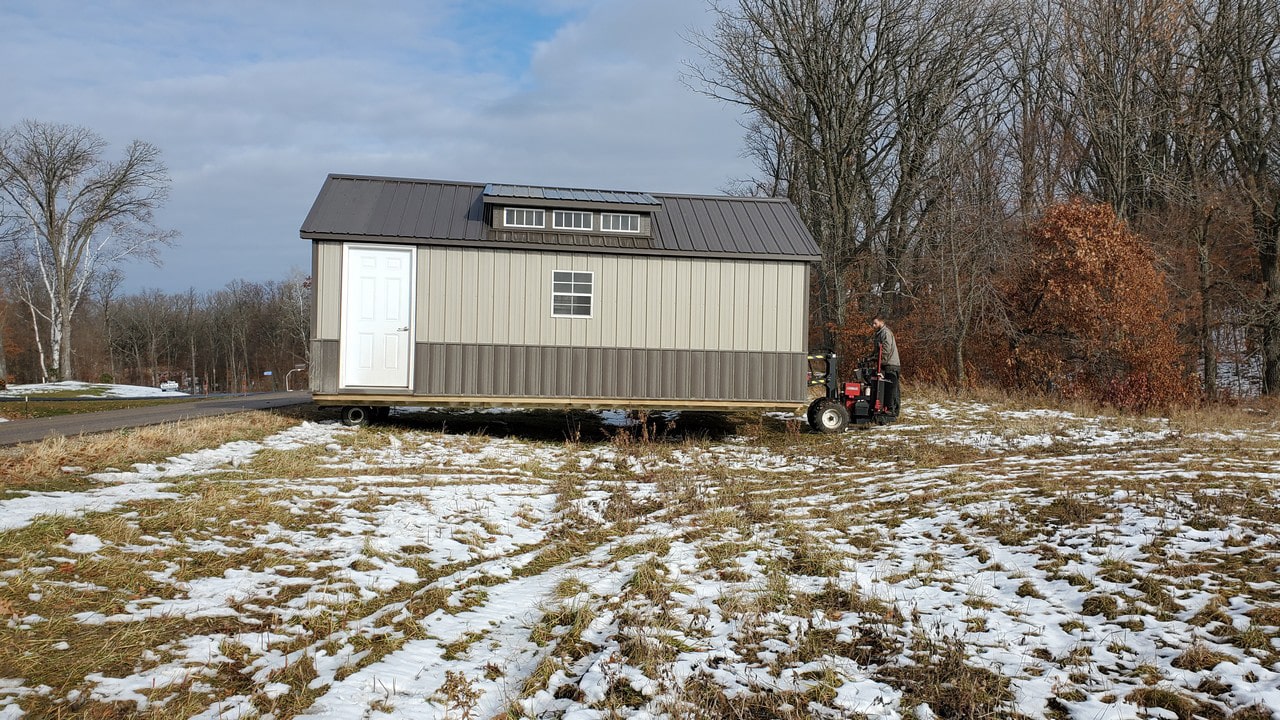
(966, 239)
(771, 150)
(1039, 132)
(22, 276)
(105, 290)
(296, 315)
(849, 99)
(913, 135)
(7, 227)
(81, 214)
(792, 65)
(1118, 72)
(1193, 184)
(1244, 69)
(4, 365)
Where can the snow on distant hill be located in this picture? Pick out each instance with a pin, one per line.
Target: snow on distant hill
(75, 388)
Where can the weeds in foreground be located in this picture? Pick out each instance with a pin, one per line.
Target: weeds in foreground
(31, 466)
(943, 678)
(745, 577)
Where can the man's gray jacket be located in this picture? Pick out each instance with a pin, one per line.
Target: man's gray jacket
(887, 346)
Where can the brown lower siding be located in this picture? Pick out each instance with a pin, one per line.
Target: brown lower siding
(459, 370)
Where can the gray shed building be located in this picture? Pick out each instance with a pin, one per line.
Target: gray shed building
(451, 293)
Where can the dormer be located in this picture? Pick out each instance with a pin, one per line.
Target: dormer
(513, 210)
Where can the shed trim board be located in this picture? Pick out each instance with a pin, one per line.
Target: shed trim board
(510, 245)
(712, 314)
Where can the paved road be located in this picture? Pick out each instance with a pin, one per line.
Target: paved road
(20, 431)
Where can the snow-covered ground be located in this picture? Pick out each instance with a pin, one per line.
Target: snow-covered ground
(75, 388)
(972, 561)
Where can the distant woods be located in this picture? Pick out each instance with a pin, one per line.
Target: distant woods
(71, 211)
(1078, 196)
(949, 158)
(69, 215)
(221, 341)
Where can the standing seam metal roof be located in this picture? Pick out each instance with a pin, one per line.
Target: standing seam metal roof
(378, 208)
(530, 192)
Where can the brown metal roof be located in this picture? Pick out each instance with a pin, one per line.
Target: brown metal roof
(533, 192)
(373, 207)
(351, 207)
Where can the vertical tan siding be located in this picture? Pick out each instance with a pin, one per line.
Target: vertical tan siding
(504, 297)
(327, 283)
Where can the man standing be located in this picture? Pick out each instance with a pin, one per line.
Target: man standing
(890, 365)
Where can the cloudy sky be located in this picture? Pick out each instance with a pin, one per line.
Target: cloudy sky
(253, 103)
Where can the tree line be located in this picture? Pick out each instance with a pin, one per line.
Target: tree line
(70, 215)
(1076, 195)
(936, 151)
(219, 341)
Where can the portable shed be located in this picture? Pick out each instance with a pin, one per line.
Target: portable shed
(441, 293)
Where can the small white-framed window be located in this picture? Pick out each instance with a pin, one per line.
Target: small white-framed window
(570, 220)
(524, 217)
(571, 293)
(620, 222)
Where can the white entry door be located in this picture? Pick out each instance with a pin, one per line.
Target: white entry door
(377, 316)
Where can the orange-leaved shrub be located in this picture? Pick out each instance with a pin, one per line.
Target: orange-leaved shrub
(1091, 315)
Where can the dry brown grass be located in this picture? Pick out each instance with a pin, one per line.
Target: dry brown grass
(114, 649)
(1166, 699)
(702, 697)
(1262, 413)
(1198, 657)
(1006, 399)
(953, 688)
(35, 465)
(763, 535)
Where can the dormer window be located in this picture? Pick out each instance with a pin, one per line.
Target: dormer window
(570, 220)
(620, 222)
(524, 217)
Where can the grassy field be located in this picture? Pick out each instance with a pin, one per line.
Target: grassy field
(18, 410)
(68, 398)
(984, 558)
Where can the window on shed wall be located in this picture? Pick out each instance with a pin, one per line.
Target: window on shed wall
(570, 220)
(524, 217)
(571, 293)
(620, 222)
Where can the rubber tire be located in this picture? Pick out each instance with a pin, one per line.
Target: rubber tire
(831, 417)
(356, 415)
(811, 414)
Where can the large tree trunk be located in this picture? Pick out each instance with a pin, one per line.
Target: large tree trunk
(957, 354)
(35, 328)
(1208, 350)
(1267, 229)
(4, 366)
(61, 344)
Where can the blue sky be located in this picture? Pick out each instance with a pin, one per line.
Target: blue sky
(253, 103)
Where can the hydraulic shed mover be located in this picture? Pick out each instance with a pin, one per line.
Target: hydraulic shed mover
(439, 293)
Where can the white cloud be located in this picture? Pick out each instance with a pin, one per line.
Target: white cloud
(253, 104)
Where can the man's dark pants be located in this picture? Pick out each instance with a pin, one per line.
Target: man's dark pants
(891, 375)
